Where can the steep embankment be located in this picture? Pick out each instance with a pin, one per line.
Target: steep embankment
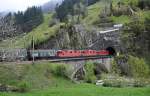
(41, 75)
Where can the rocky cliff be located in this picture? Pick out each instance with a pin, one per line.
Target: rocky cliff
(80, 37)
(71, 37)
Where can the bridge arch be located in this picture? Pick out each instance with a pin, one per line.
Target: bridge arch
(112, 51)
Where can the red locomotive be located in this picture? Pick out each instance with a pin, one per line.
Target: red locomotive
(81, 53)
(68, 53)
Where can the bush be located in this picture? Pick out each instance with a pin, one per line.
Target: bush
(124, 10)
(144, 4)
(139, 83)
(138, 67)
(23, 86)
(112, 83)
(111, 80)
(130, 66)
(60, 70)
(115, 67)
(89, 76)
(120, 66)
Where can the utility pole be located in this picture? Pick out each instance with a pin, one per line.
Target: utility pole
(87, 3)
(33, 49)
(24, 36)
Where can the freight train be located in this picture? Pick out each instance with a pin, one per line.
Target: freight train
(24, 54)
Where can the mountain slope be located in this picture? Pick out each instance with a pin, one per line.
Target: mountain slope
(41, 33)
(94, 12)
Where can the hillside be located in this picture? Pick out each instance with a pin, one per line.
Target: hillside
(47, 79)
(95, 10)
(42, 75)
(43, 31)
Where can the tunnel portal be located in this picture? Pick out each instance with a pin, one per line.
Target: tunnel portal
(111, 51)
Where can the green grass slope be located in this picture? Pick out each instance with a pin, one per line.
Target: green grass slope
(40, 34)
(95, 10)
(41, 81)
(85, 90)
(41, 75)
(93, 13)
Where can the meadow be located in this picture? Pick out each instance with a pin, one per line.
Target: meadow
(84, 90)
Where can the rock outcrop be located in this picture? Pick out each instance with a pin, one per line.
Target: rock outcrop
(78, 37)
(6, 88)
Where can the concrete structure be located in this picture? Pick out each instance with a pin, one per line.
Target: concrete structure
(108, 39)
(76, 66)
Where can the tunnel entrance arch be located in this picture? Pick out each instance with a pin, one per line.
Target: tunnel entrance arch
(112, 51)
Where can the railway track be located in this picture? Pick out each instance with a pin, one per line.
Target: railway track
(78, 59)
(55, 60)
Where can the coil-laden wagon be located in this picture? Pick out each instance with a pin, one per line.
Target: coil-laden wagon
(13, 54)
